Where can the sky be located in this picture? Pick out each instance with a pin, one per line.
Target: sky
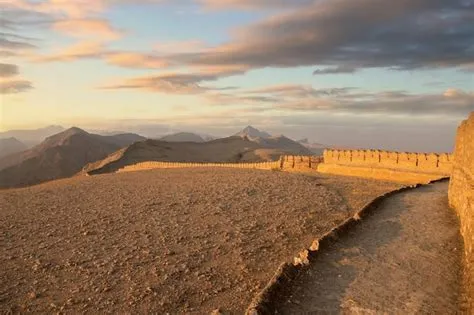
(395, 75)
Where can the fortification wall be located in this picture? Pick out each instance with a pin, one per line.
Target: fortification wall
(165, 165)
(300, 162)
(286, 163)
(417, 162)
(461, 196)
(394, 166)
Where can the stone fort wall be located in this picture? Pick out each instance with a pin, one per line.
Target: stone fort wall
(384, 165)
(165, 165)
(286, 162)
(417, 162)
(461, 197)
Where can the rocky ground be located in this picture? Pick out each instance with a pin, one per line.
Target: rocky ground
(176, 240)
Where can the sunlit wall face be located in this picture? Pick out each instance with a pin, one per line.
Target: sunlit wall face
(347, 73)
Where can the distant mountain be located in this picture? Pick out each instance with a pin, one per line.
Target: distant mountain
(106, 132)
(207, 137)
(316, 148)
(252, 133)
(283, 143)
(273, 142)
(124, 139)
(232, 149)
(32, 137)
(11, 145)
(61, 155)
(183, 137)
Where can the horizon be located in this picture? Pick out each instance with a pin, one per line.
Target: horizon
(401, 80)
(158, 136)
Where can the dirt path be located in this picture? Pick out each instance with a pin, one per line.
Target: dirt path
(404, 259)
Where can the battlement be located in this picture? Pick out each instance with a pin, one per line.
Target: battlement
(300, 162)
(431, 163)
(285, 163)
(165, 165)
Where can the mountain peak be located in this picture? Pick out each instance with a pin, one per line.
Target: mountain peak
(59, 138)
(252, 133)
(74, 130)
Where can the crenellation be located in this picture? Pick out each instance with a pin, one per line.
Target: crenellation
(408, 162)
(171, 165)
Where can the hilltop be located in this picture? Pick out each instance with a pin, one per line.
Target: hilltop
(252, 133)
(61, 155)
(183, 137)
(11, 145)
(268, 141)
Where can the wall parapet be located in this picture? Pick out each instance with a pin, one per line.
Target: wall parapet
(284, 163)
(300, 162)
(431, 163)
(149, 165)
(461, 198)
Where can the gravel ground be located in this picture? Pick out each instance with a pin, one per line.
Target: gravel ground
(404, 259)
(176, 240)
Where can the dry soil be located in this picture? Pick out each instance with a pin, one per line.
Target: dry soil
(177, 241)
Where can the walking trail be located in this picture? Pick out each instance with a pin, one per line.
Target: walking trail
(405, 258)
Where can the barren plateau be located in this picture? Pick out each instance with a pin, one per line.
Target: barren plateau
(175, 240)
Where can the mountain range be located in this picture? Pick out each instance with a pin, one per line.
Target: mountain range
(32, 137)
(249, 145)
(58, 156)
(74, 150)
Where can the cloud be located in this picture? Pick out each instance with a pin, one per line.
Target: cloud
(14, 44)
(296, 90)
(69, 8)
(7, 54)
(252, 4)
(135, 60)
(388, 103)
(8, 70)
(230, 99)
(176, 82)
(81, 50)
(127, 59)
(15, 86)
(302, 98)
(335, 70)
(96, 28)
(398, 35)
(179, 83)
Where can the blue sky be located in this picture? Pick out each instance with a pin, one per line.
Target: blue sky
(362, 73)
